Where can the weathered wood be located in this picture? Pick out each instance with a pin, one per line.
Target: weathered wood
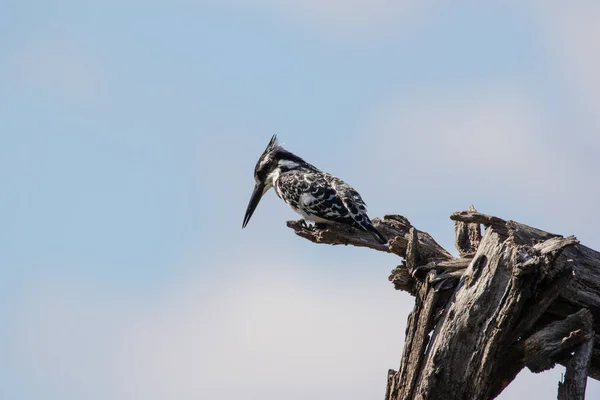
(394, 227)
(467, 236)
(541, 350)
(575, 379)
(400, 234)
(391, 384)
(335, 234)
(402, 280)
(519, 232)
(412, 251)
(517, 297)
(582, 291)
(454, 264)
(478, 322)
(417, 337)
(542, 302)
(457, 265)
(474, 217)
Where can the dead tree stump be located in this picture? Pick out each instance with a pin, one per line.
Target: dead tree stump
(516, 297)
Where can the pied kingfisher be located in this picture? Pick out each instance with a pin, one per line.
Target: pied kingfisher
(316, 195)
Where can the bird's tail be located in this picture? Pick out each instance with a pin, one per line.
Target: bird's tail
(377, 234)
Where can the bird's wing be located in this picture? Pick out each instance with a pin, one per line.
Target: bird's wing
(324, 197)
(320, 199)
(357, 209)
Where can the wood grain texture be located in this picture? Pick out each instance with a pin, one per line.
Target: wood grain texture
(467, 236)
(575, 379)
(516, 297)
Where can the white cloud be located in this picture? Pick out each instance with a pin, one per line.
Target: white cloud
(262, 332)
(571, 35)
(274, 330)
(457, 137)
(482, 145)
(496, 128)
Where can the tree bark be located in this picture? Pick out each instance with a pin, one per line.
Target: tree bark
(516, 297)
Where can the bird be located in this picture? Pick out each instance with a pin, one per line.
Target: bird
(317, 196)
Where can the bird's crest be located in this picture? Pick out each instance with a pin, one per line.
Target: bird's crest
(273, 144)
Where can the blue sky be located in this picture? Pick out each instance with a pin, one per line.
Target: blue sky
(130, 131)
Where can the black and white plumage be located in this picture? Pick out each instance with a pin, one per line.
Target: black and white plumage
(316, 195)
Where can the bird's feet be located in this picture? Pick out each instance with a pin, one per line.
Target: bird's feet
(312, 225)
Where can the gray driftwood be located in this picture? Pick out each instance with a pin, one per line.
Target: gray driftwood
(516, 297)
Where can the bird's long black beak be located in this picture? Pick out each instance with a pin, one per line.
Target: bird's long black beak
(257, 194)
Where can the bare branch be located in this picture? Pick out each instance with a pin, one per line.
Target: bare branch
(394, 227)
(475, 217)
(542, 349)
(575, 380)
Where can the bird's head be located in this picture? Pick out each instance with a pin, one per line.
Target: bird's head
(273, 161)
